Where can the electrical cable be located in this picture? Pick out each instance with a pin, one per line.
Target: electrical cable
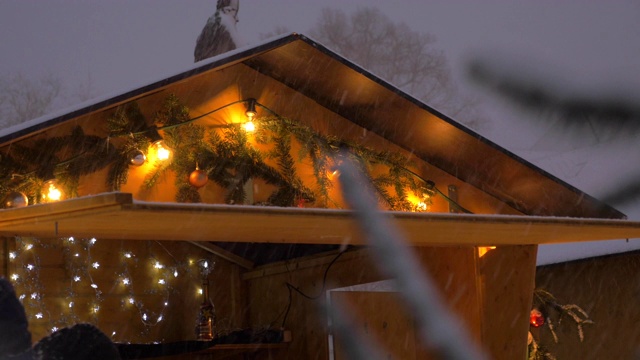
(291, 288)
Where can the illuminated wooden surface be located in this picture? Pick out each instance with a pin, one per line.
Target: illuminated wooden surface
(118, 216)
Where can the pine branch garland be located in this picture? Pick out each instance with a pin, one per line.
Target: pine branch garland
(226, 154)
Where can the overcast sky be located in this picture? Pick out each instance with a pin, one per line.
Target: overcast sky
(115, 44)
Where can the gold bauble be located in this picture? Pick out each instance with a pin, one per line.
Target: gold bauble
(198, 178)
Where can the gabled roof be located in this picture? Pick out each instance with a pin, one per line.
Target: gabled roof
(360, 96)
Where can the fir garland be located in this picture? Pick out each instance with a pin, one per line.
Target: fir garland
(224, 153)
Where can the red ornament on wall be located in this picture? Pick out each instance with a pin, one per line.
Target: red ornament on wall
(536, 319)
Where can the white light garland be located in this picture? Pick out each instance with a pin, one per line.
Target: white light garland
(79, 265)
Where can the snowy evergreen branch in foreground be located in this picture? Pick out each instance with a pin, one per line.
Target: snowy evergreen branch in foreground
(605, 113)
(440, 330)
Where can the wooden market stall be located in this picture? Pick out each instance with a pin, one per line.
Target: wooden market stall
(124, 247)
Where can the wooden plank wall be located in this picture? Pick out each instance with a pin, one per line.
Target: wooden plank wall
(55, 266)
(608, 289)
(452, 268)
(507, 276)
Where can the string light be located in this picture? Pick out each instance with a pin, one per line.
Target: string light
(29, 281)
(251, 112)
(51, 192)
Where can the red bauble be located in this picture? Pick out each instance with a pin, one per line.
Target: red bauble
(198, 178)
(536, 319)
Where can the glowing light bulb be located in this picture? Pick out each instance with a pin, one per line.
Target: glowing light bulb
(28, 246)
(39, 316)
(22, 297)
(113, 333)
(166, 303)
(128, 255)
(95, 265)
(76, 278)
(157, 265)
(94, 286)
(12, 255)
(161, 282)
(144, 317)
(96, 309)
(125, 281)
(71, 240)
(162, 152)
(200, 291)
(50, 192)
(30, 267)
(34, 295)
(93, 241)
(76, 255)
(70, 304)
(159, 318)
(15, 277)
(131, 301)
(249, 126)
(175, 273)
(54, 329)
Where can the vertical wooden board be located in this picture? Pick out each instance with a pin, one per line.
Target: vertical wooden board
(507, 276)
(381, 319)
(453, 271)
(269, 298)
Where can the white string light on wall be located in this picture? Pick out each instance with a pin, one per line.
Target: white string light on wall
(85, 274)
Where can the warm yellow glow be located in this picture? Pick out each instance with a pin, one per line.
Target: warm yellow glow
(249, 126)
(419, 204)
(159, 151)
(482, 250)
(50, 192)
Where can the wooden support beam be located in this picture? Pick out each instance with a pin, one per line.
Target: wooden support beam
(227, 255)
